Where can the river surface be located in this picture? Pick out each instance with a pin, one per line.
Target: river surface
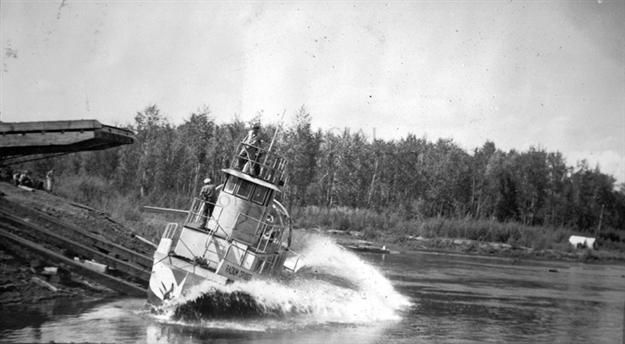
(437, 298)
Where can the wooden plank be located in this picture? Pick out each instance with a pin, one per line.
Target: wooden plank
(158, 210)
(57, 240)
(140, 238)
(104, 279)
(24, 187)
(71, 230)
(114, 137)
(44, 284)
(39, 126)
(116, 131)
(45, 139)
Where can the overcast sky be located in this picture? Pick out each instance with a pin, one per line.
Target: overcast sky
(519, 73)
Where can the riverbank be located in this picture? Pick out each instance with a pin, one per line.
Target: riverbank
(466, 236)
(387, 227)
(504, 250)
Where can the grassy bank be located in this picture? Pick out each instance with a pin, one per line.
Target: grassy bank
(375, 225)
(451, 234)
(387, 227)
(98, 194)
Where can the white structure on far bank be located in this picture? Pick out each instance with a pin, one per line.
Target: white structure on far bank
(579, 241)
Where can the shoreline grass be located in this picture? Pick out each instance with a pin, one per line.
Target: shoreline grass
(373, 224)
(387, 227)
(459, 235)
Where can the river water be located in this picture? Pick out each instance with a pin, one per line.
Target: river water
(349, 298)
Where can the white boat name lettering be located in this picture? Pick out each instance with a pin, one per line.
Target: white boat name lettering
(234, 272)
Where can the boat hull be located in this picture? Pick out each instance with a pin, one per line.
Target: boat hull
(173, 278)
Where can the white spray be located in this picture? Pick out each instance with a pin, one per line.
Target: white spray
(361, 295)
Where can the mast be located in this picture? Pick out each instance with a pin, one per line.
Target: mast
(275, 134)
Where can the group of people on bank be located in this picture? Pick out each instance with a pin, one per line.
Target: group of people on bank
(25, 178)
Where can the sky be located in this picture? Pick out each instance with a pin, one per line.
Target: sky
(548, 74)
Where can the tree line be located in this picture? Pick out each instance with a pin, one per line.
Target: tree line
(411, 176)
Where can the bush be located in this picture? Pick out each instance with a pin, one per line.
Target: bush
(90, 190)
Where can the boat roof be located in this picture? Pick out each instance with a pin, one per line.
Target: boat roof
(251, 179)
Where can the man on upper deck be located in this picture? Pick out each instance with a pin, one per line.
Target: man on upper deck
(249, 152)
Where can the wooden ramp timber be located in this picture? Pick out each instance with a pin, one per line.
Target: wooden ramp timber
(66, 230)
(116, 262)
(47, 137)
(117, 284)
(57, 242)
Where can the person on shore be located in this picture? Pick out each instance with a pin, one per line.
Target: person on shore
(25, 179)
(249, 152)
(49, 180)
(16, 178)
(208, 195)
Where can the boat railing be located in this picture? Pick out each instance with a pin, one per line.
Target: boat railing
(269, 230)
(260, 261)
(269, 261)
(260, 163)
(170, 230)
(196, 218)
(270, 235)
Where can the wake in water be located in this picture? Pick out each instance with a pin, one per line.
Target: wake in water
(335, 286)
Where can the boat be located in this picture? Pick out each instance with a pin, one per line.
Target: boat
(247, 236)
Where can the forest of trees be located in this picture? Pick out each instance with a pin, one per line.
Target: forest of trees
(412, 177)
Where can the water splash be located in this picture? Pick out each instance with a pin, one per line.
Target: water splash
(335, 286)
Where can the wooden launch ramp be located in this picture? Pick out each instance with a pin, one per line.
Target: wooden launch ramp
(36, 233)
(57, 242)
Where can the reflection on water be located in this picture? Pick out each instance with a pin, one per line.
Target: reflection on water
(162, 333)
(67, 321)
(455, 299)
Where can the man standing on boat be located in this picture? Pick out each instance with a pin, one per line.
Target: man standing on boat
(207, 194)
(251, 144)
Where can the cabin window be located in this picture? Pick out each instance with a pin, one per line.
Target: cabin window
(245, 189)
(260, 194)
(230, 184)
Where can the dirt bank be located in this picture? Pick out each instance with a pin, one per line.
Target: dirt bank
(28, 277)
